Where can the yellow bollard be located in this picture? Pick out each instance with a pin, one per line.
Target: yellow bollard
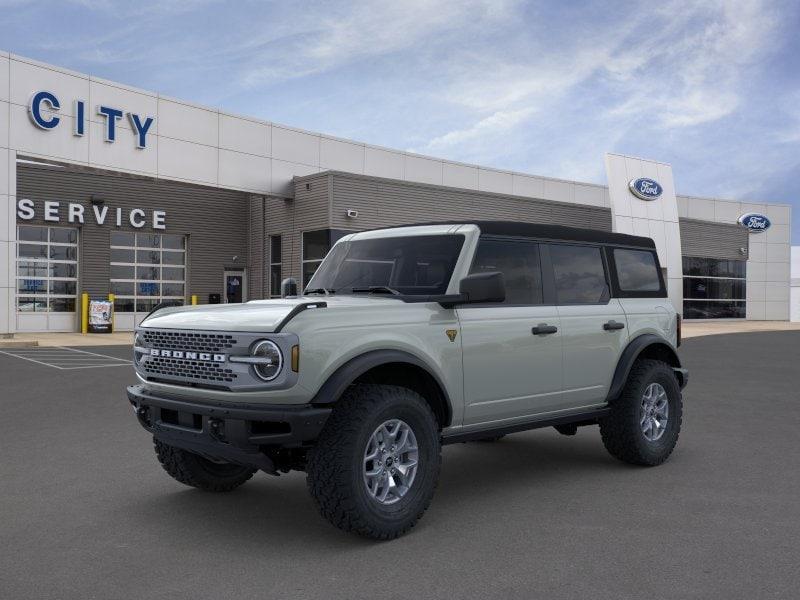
(194, 299)
(84, 312)
(111, 298)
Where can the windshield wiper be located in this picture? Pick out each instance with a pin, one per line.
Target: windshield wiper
(376, 289)
(324, 291)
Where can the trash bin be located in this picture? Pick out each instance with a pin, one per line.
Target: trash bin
(214, 298)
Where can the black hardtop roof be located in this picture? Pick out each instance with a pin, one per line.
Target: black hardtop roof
(550, 232)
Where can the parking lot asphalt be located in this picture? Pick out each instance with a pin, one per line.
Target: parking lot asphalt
(86, 511)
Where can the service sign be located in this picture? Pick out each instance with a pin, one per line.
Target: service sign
(754, 222)
(645, 189)
(101, 313)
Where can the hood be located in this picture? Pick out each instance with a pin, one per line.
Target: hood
(259, 315)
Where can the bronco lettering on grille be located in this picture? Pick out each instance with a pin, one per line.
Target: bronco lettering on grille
(205, 356)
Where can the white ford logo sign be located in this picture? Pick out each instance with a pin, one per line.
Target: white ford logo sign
(754, 222)
(646, 189)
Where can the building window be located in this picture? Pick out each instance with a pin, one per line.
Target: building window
(47, 269)
(275, 265)
(714, 288)
(315, 246)
(146, 269)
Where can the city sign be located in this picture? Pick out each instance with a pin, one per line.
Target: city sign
(44, 106)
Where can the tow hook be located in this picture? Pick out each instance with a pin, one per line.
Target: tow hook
(216, 428)
(143, 414)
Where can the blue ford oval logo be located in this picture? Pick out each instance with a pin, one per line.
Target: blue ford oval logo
(755, 222)
(646, 189)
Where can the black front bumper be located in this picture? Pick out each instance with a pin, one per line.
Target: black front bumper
(237, 433)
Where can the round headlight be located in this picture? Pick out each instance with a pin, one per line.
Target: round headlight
(272, 360)
(138, 342)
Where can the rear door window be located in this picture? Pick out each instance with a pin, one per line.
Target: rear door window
(519, 263)
(579, 274)
(637, 270)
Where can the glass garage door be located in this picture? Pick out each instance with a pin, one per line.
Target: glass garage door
(146, 269)
(714, 288)
(47, 278)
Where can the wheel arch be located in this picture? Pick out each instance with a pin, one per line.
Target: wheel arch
(643, 346)
(393, 367)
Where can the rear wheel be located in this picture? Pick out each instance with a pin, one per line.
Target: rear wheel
(376, 463)
(645, 420)
(194, 470)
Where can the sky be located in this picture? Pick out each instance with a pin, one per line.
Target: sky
(712, 87)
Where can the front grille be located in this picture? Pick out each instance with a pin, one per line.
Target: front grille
(184, 340)
(188, 369)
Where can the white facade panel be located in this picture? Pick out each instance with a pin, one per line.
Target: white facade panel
(7, 250)
(776, 311)
(58, 143)
(589, 194)
(123, 98)
(295, 146)
(460, 176)
(524, 185)
(756, 271)
(242, 135)
(337, 155)
(244, 171)
(775, 291)
(683, 207)
(777, 234)
(756, 311)
(28, 77)
(778, 252)
(5, 176)
(795, 303)
(779, 215)
(423, 170)
(5, 67)
(188, 123)
(560, 191)
(190, 162)
(702, 209)
(283, 173)
(495, 181)
(383, 163)
(757, 251)
(122, 155)
(727, 212)
(778, 272)
(669, 210)
(5, 115)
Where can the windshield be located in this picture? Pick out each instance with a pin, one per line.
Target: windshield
(412, 265)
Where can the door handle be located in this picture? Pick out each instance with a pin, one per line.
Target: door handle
(544, 329)
(611, 325)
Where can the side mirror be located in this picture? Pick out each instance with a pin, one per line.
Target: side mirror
(482, 287)
(288, 287)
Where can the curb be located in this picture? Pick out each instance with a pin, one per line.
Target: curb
(19, 344)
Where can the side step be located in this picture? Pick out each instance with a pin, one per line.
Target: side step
(582, 418)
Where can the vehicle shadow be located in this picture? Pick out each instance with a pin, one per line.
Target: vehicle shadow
(280, 510)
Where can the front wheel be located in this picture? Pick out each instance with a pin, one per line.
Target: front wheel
(195, 471)
(376, 463)
(645, 420)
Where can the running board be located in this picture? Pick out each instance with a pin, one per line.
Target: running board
(582, 418)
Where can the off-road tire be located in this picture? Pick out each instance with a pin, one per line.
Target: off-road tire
(335, 465)
(196, 471)
(621, 432)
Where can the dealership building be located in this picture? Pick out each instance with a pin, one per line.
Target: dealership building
(107, 189)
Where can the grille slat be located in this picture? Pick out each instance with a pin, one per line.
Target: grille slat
(185, 369)
(184, 340)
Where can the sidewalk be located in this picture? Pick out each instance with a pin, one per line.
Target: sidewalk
(695, 329)
(29, 340)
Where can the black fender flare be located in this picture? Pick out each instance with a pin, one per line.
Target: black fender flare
(632, 351)
(346, 374)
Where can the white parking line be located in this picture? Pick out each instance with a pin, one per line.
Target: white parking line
(66, 359)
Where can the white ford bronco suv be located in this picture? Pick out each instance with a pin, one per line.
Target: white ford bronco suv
(406, 339)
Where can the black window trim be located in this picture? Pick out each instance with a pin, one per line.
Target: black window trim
(617, 290)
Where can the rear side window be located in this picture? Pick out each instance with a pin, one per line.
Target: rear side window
(579, 274)
(518, 262)
(636, 270)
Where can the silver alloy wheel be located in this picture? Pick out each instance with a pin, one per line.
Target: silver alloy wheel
(390, 461)
(655, 412)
